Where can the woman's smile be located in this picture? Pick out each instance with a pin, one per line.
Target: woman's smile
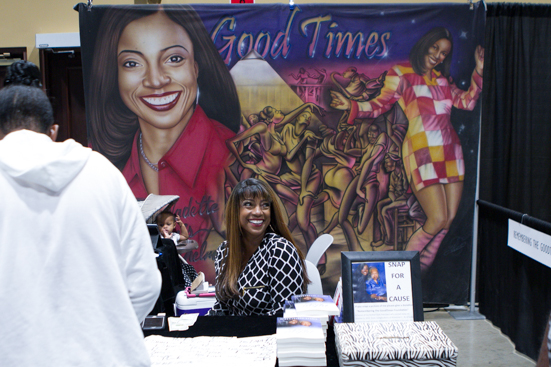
(256, 222)
(433, 61)
(161, 102)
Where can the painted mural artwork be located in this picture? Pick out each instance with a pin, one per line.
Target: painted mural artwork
(359, 116)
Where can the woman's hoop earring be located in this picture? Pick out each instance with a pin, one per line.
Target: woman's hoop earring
(197, 98)
(272, 228)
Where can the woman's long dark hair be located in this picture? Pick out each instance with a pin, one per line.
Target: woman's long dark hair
(251, 188)
(421, 48)
(111, 125)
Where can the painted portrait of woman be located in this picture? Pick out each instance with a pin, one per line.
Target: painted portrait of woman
(161, 105)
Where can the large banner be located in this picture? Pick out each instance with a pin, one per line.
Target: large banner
(363, 118)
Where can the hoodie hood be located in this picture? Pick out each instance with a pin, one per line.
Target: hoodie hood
(33, 159)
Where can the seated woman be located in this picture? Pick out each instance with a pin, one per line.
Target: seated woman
(259, 266)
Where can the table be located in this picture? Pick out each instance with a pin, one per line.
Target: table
(241, 326)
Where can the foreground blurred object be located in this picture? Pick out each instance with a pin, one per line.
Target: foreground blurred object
(87, 259)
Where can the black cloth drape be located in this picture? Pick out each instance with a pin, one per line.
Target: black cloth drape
(513, 288)
(515, 167)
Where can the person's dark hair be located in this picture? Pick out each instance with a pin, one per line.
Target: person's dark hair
(251, 188)
(111, 125)
(421, 48)
(159, 220)
(23, 107)
(267, 114)
(23, 73)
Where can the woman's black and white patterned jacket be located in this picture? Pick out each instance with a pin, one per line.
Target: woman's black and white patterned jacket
(272, 275)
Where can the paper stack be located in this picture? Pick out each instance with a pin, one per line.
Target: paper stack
(314, 305)
(300, 342)
(289, 310)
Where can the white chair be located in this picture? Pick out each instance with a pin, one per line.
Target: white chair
(320, 245)
(315, 286)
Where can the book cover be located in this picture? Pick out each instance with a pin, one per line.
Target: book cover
(296, 330)
(313, 304)
(324, 319)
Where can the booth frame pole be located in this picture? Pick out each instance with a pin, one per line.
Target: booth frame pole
(473, 314)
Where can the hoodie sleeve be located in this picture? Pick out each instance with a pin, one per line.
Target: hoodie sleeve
(142, 275)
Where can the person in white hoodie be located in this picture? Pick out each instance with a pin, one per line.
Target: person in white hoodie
(77, 268)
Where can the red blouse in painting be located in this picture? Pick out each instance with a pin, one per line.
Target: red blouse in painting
(193, 169)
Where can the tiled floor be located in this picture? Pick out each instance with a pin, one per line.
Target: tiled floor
(479, 342)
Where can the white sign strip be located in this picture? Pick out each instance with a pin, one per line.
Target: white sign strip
(530, 242)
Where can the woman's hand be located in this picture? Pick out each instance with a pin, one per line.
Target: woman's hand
(339, 101)
(479, 58)
(314, 106)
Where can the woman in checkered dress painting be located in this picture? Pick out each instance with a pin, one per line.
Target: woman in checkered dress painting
(431, 150)
(259, 267)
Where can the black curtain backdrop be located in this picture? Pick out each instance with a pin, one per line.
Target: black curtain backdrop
(513, 288)
(515, 166)
(515, 169)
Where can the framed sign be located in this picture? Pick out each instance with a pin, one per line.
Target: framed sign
(381, 286)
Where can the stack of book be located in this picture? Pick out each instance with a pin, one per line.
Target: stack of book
(289, 310)
(300, 342)
(314, 305)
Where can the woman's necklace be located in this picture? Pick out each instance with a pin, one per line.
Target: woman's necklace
(152, 165)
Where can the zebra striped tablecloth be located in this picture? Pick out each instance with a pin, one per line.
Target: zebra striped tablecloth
(394, 344)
